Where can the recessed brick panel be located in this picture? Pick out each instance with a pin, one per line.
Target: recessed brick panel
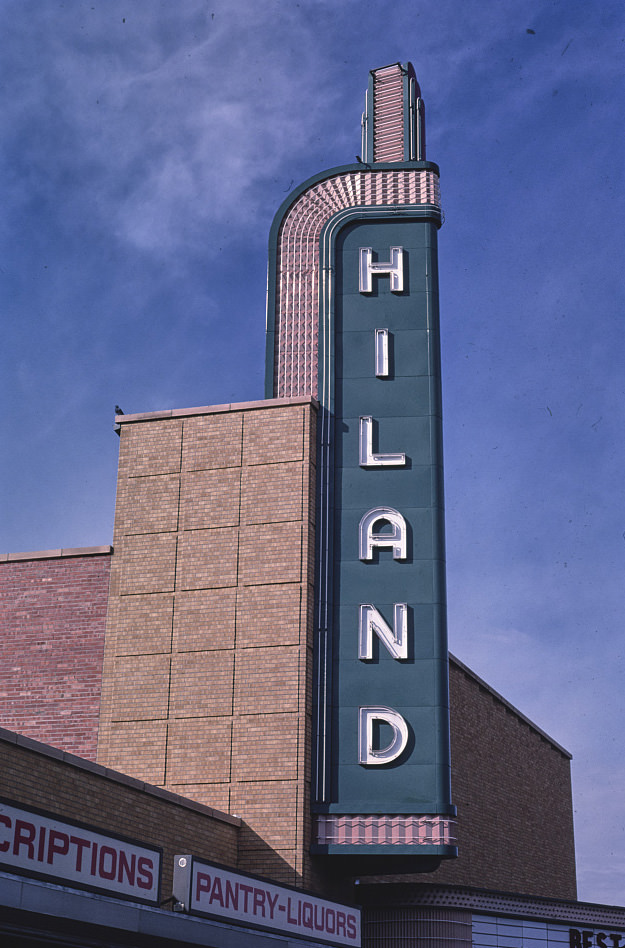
(272, 494)
(199, 751)
(265, 744)
(148, 563)
(149, 504)
(136, 748)
(210, 499)
(267, 679)
(271, 436)
(216, 795)
(141, 688)
(143, 624)
(204, 619)
(269, 615)
(207, 559)
(268, 806)
(212, 441)
(201, 684)
(150, 449)
(270, 554)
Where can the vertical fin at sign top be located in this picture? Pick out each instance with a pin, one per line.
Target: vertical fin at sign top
(394, 118)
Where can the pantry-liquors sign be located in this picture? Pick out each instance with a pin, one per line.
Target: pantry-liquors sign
(204, 888)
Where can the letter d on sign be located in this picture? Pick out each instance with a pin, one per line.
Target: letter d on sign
(366, 752)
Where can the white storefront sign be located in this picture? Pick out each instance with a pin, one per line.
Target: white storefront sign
(70, 854)
(211, 890)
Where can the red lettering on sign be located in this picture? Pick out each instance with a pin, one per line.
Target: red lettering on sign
(259, 901)
(42, 843)
(58, 844)
(272, 904)
(24, 833)
(94, 859)
(7, 822)
(245, 889)
(295, 920)
(232, 895)
(145, 866)
(126, 868)
(307, 915)
(216, 892)
(202, 884)
(111, 872)
(80, 844)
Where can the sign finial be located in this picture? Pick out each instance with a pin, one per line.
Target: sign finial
(393, 123)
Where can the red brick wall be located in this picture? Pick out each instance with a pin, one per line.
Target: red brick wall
(53, 619)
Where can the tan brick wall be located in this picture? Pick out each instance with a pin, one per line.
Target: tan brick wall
(511, 784)
(38, 776)
(512, 787)
(206, 683)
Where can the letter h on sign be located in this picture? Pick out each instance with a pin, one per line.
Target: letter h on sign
(394, 268)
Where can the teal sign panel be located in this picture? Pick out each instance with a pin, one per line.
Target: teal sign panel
(389, 742)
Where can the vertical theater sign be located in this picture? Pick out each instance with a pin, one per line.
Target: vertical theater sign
(353, 320)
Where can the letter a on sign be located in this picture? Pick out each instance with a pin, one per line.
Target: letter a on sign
(396, 538)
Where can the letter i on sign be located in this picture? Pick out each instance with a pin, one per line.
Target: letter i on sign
(381, 353)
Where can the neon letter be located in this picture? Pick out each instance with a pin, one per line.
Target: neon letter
(367, 457)
(384, 755)
(381, 353)
(368, 539)
(395, 640)
(394, 268)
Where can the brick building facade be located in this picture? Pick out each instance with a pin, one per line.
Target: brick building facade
(204, 685)
(53, 607)
(206, 691)
(46, 778)
(206, 678)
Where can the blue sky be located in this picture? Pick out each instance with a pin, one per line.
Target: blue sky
(146, 148)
